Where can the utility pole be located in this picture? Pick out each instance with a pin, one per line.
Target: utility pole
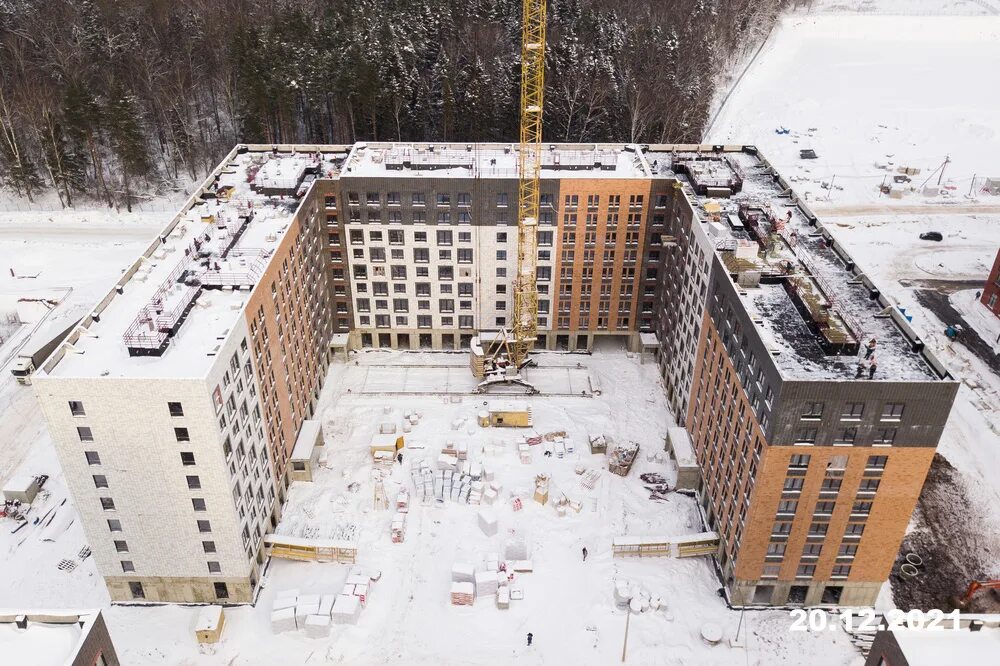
(881, 188)
(947, 161)
(628, 616)
(972, 185)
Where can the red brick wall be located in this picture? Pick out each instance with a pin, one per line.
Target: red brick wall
(991, 290)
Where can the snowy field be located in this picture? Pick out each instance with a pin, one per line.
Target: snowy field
(905, 7)
(871, 94)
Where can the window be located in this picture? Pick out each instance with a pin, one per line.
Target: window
(100, 481)
(824, 508)
(187, 458)
(776, 550)
(800, 461)
(885, 435)
(892, 411)
(107, 504)
(782, 527)
(93, 458)
(793, 484)
(198, 504)
(85, 434)
(847, 550)
(788, 506)
(446, 305)
(830, 486)
(812, 410)
(193, 483)
(846, 436)
(136, 590)
(121, 546)
(501, 255)
(854, 529)
(841, 571)
(806, 436)
(465, 321)
(400, 305)
(175, 408)
(417, 199)
(208, 546)
(221, 591)
(812, 549)
(127, 566)
(805, 571)
(214, 567)
(853, 410)
(501, 236)
(181, 434)
(877, 462)
(204, 526)
(465, 255)
(444, 237)
(836, 463)
(502, 199)
(867, 485)
(115, 525)
(76, 408)
(862, 508)
(818, 529)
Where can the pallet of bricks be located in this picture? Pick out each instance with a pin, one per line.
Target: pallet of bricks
(314, 613)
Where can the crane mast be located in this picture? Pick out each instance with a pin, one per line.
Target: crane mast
(525, 325)
(503, 358)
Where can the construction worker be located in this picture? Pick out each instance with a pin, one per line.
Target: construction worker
(584, 553)
(399, 457)
(872, 366)
(861, 370)
(530, 636)
(870, 349)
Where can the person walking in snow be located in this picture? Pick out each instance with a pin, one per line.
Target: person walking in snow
(870, 348)
(872, 366)
(861, 370)
(399, 458)
(584, 553)
(530, 636)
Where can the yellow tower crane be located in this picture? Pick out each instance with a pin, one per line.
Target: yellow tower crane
(502, 360)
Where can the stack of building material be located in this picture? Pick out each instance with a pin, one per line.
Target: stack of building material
(398, 528)
(488, 522)
(476, 494)
(489, 497)
(486, 583)
(447, 462)
(598, 444)
(560, 447)
(590, 479)
(462, 594)
(346, 609)
(318, 626)
(524, 451)
(568, 443)
(462, 572)
(307, 605)
(515, 504)
(488, 473)
(283, 620)
(463, 450)
(541, 488)
(522, 566)
(326, 604)
(387, 428)
(476, 471)
(403, 502)
(503, 597)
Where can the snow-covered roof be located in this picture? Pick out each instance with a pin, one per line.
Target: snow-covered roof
(175, 306)
(812, 305)
(43, 638)
(309, 433)
(923, 647)
(492, 160)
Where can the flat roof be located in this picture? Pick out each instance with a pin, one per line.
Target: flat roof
(812, 305)
(923, 647)
(178, 302)
(47, 638)
(493, 160)
(305, 443)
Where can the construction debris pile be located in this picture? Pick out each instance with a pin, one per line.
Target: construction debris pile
(496, 576)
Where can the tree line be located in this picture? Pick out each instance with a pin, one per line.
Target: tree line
(111, 100)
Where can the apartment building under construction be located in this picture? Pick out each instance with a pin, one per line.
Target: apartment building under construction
(176, 403)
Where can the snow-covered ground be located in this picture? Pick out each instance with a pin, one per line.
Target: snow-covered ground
(871, 94)
(904, 7)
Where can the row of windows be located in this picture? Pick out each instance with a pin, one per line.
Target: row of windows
(801, 461)
(76, 408)
(891, 411)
